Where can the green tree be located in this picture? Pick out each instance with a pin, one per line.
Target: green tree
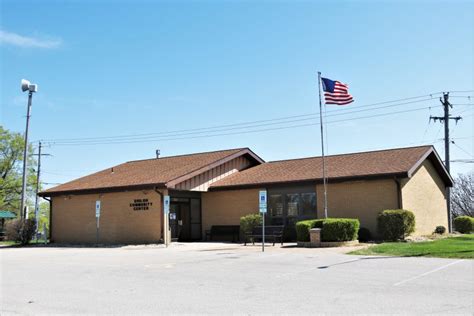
(11, 164)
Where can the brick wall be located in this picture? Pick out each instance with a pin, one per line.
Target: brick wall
(359, 199)
(425, 195)
(73, 218)
(226, 207)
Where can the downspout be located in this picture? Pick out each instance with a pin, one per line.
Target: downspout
(399, 193)
(50, 217)
(162, 214)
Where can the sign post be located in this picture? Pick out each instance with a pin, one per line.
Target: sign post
(263, 210)
(97, 218)
(166, 212)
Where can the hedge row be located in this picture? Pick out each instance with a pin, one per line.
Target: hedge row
(340, 229)
(303, 227)
(464, 224)
(332, 229)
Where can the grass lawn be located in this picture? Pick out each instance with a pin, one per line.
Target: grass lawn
(452, 247)
(7, 243)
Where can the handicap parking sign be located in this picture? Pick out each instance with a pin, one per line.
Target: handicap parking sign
(263, 201)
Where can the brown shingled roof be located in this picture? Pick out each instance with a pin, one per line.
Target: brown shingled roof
(391, 162)
(143, 173)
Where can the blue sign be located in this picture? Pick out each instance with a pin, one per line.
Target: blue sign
(166, 204)
(262, 199)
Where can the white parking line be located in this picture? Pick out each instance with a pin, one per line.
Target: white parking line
(426, 273)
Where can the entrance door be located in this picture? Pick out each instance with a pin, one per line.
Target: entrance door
(185, 219)
(175, 213)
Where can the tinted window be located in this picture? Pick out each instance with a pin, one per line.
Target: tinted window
(275, 205)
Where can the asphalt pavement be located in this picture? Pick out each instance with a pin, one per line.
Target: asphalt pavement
(217, 278)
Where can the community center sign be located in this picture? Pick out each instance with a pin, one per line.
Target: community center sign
(141, 205)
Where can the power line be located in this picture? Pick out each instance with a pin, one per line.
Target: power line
(152, 136)
(463, 160)
(234, 133)
(340, 111)
(462, 149)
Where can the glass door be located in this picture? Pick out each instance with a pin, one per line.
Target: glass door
(173, 220)
(185, 219)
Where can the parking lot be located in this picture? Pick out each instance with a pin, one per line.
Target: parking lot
(218, 278)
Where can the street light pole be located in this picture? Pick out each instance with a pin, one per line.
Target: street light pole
(26, 86)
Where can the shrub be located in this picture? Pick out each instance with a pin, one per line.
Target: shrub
(364, 234)
(21, 230)
(395, 224)
(303, 227)
(464, 224)
(340, 229)
(248, 222)
(440, 230)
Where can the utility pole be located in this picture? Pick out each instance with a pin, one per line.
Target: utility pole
(38, 173)
(25, 159)
(31, 88)
(445, 119)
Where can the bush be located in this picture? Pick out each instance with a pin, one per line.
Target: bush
(303, 227)
(395, 224)
(332, 229)
(440, 230)
(364, 234)
(21, 230)
(340, 229)
(248, 222)
(464, 224)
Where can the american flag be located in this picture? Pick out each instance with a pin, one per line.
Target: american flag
(336, 92)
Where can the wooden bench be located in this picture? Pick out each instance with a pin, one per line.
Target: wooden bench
(223, 231)
(272, 233)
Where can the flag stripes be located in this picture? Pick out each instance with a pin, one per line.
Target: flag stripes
(336, 92)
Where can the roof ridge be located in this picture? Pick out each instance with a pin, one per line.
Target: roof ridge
(183, 155)
(353, 153)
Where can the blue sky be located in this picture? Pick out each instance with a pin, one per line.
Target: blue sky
(107, 69)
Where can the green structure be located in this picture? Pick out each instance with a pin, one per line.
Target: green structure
(5, 215)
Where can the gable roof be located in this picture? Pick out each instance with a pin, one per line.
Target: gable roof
(400, 162)
(156, 172)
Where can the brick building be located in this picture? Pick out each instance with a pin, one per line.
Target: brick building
(217, 188)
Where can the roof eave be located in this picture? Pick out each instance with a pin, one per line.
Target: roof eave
(245, 151)
(439, 165)
(397, 175)
(103, 190)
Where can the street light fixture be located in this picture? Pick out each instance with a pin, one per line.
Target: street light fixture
(26, 86)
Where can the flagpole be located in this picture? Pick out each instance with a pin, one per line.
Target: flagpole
(322, 147)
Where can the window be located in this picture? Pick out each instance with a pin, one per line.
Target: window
(308, 204)
(275, 205)
(292, 204)
(286, 206)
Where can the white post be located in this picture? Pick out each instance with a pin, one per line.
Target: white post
(263, 232)
(97, 217)
(166, 219)
(262, 200)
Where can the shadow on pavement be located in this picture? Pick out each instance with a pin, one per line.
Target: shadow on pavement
(358, 259)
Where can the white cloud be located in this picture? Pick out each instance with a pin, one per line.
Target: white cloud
(25, 41)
